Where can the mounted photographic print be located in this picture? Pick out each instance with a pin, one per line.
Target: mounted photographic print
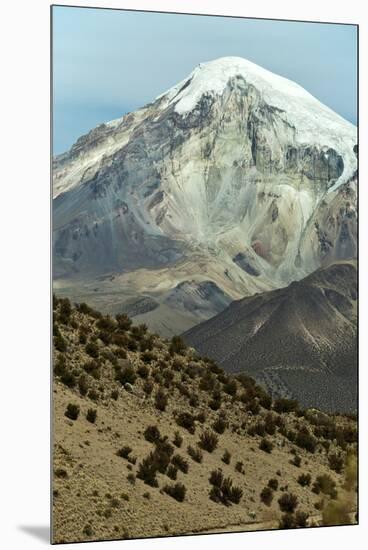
(204, 274)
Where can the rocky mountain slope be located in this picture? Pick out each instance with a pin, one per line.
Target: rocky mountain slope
(299, 341)
(152, 440)
(233, 182)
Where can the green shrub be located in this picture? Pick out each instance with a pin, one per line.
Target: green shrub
(177, 345)
(283, 405)
(123, 321)
(124, 452)
(161, 400)
(273, 484)
(147, 357)
(336, 462)
(143, 371)
(91, 415)
(305, 440)
(92, 350)
(186, 420)
(266, 496)
(296, 461)
(266, 445)
(288, 502)
(226, 457)
(326, 485)
(208, 441)
(172, 472)
(93, 394)
(180, 463)
(60, 343)
(230, 387)
(83, 385)
(152, 434)
(219, 425)
(178, 439)
(68, 379)
(115, 395)
(304, 480)
(127, 375)
(147, 471)
(72, 411)
(195, 453)
(176, 491)
(148, 387)
(106, 324)
(222, 490)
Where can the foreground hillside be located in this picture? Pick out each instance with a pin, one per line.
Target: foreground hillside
(152, 440)
(299, 341)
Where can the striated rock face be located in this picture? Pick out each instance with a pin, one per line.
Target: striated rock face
(235, 176)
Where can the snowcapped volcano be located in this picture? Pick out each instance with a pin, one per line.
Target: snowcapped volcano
(234, 181)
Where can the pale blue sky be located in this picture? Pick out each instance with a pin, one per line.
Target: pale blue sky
(109, 62)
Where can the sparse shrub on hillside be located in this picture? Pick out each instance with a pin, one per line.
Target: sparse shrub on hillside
(230, 387)
(115, 395)
(186, 420)
(68, 379)
(253, 406)
(152, 434)
(208, 441)
(195, 453)
(301, 519)
(266, 445)
(161, 400)
(72, 411)
(305, 440)
(131, 478)
(92, 349)
(226, 457)
(336, 462)
(273, 484)
(124, 452)
(60, 343)
(127, 375)
(91, 415)
(177, 345)
(132, 345)
(105, 337)
(93, 394)
(123, 321)
(148, 356)
(304, 480)
(326, 485)
(65, 310)
(147, 471)
(105, 323)
(296, 461)
(284, 405)
(172, 472)
(180, 463)
(259, 428)
(223, 491)
(176, 491)
(121, 353)
(162, 455)
(183, 389)
(119, 339)
(194, 400)
(143, 371)
(201, 417)
(219, 425)
(207, 382)
(270, 423)
(215, 404)
(265, 401)
(148, 387)
(288, 502)
(82, 338)
(287, 521)
(60, 365)
(266, 496)
(92, 368)
(61, 473)
(178, 439)
(239, 467)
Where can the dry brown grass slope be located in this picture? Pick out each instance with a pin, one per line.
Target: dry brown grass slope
(205, 463)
